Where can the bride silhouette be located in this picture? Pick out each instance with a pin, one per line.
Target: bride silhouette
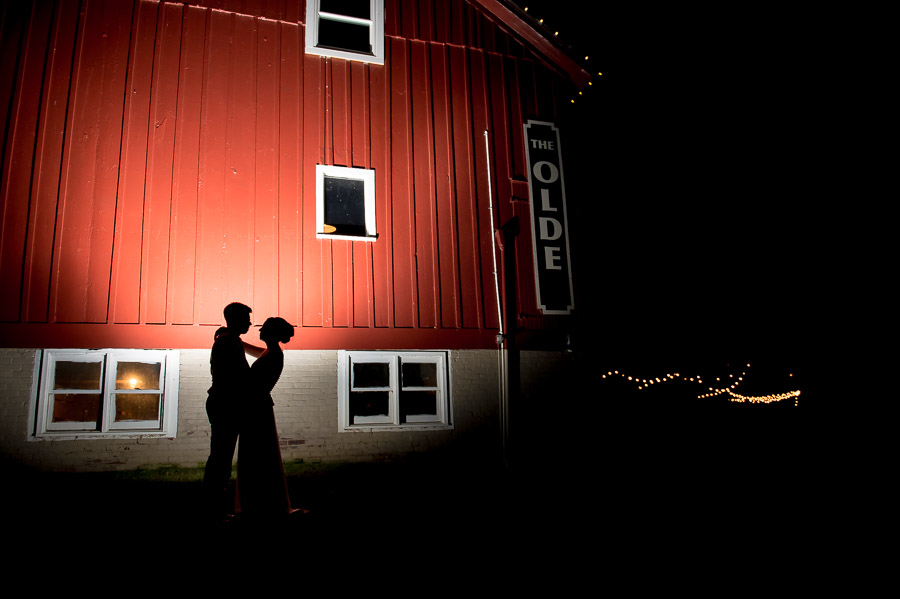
(261, 491)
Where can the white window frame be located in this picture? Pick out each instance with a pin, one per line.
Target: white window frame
(391, 422)
(166, 426)
(375, 25)
(367, 176)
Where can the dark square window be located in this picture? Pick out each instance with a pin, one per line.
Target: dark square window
(346, 29)
(371, 374)
(419, 374)
(345, 203)
(368, 404)
(417, 403)
(345, 206)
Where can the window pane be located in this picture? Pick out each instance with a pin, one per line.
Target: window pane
(417, 403)
(371, 403)
(77, 375)
(371, 374)
(419, 374)
(345, 205)
(137, 406)
(344, 36)
(349, 8)
(137, 375)
(76, 407)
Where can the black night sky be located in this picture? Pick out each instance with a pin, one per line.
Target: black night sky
(688, 187)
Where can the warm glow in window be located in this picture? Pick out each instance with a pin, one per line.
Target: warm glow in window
(95, 393)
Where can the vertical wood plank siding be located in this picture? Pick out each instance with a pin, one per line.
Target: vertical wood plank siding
(159, 159)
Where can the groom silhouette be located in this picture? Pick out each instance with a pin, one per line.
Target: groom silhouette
(230, 382)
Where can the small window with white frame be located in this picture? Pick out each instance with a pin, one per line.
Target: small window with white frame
(393, 390)
(103, 393)
(345, 203)
(348, 29)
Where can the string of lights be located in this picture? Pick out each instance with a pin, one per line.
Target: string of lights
(765, 398)
(540, 21)
(733, 379)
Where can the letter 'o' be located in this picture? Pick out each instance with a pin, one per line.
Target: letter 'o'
(538, 172)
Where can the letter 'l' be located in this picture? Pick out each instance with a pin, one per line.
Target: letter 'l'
(545, 201)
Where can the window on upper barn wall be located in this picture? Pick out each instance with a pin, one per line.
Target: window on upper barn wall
(345, 203)
(393, 390)
(102, 393)
(350, 29)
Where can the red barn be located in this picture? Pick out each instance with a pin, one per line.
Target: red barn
(386, 175)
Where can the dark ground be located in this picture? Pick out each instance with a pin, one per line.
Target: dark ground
(657, 501)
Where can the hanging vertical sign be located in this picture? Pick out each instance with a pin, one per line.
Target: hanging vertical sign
(549, 228)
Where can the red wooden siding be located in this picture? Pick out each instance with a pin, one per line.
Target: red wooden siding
(159, 162)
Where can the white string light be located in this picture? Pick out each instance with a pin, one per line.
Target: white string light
(540, 22)
(735, 381)
(764, 398)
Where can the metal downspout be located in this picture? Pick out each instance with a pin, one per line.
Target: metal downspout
(502, 353)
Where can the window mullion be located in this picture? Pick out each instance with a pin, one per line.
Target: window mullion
(395, 390)
(439, 394)
(109, 385)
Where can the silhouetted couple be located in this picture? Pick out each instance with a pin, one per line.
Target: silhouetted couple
(240, 404)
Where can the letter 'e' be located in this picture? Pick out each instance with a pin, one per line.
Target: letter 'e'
(551, 258)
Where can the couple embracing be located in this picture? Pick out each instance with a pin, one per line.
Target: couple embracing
(240, 404)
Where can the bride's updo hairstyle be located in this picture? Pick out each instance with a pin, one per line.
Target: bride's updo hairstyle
(280, 329)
